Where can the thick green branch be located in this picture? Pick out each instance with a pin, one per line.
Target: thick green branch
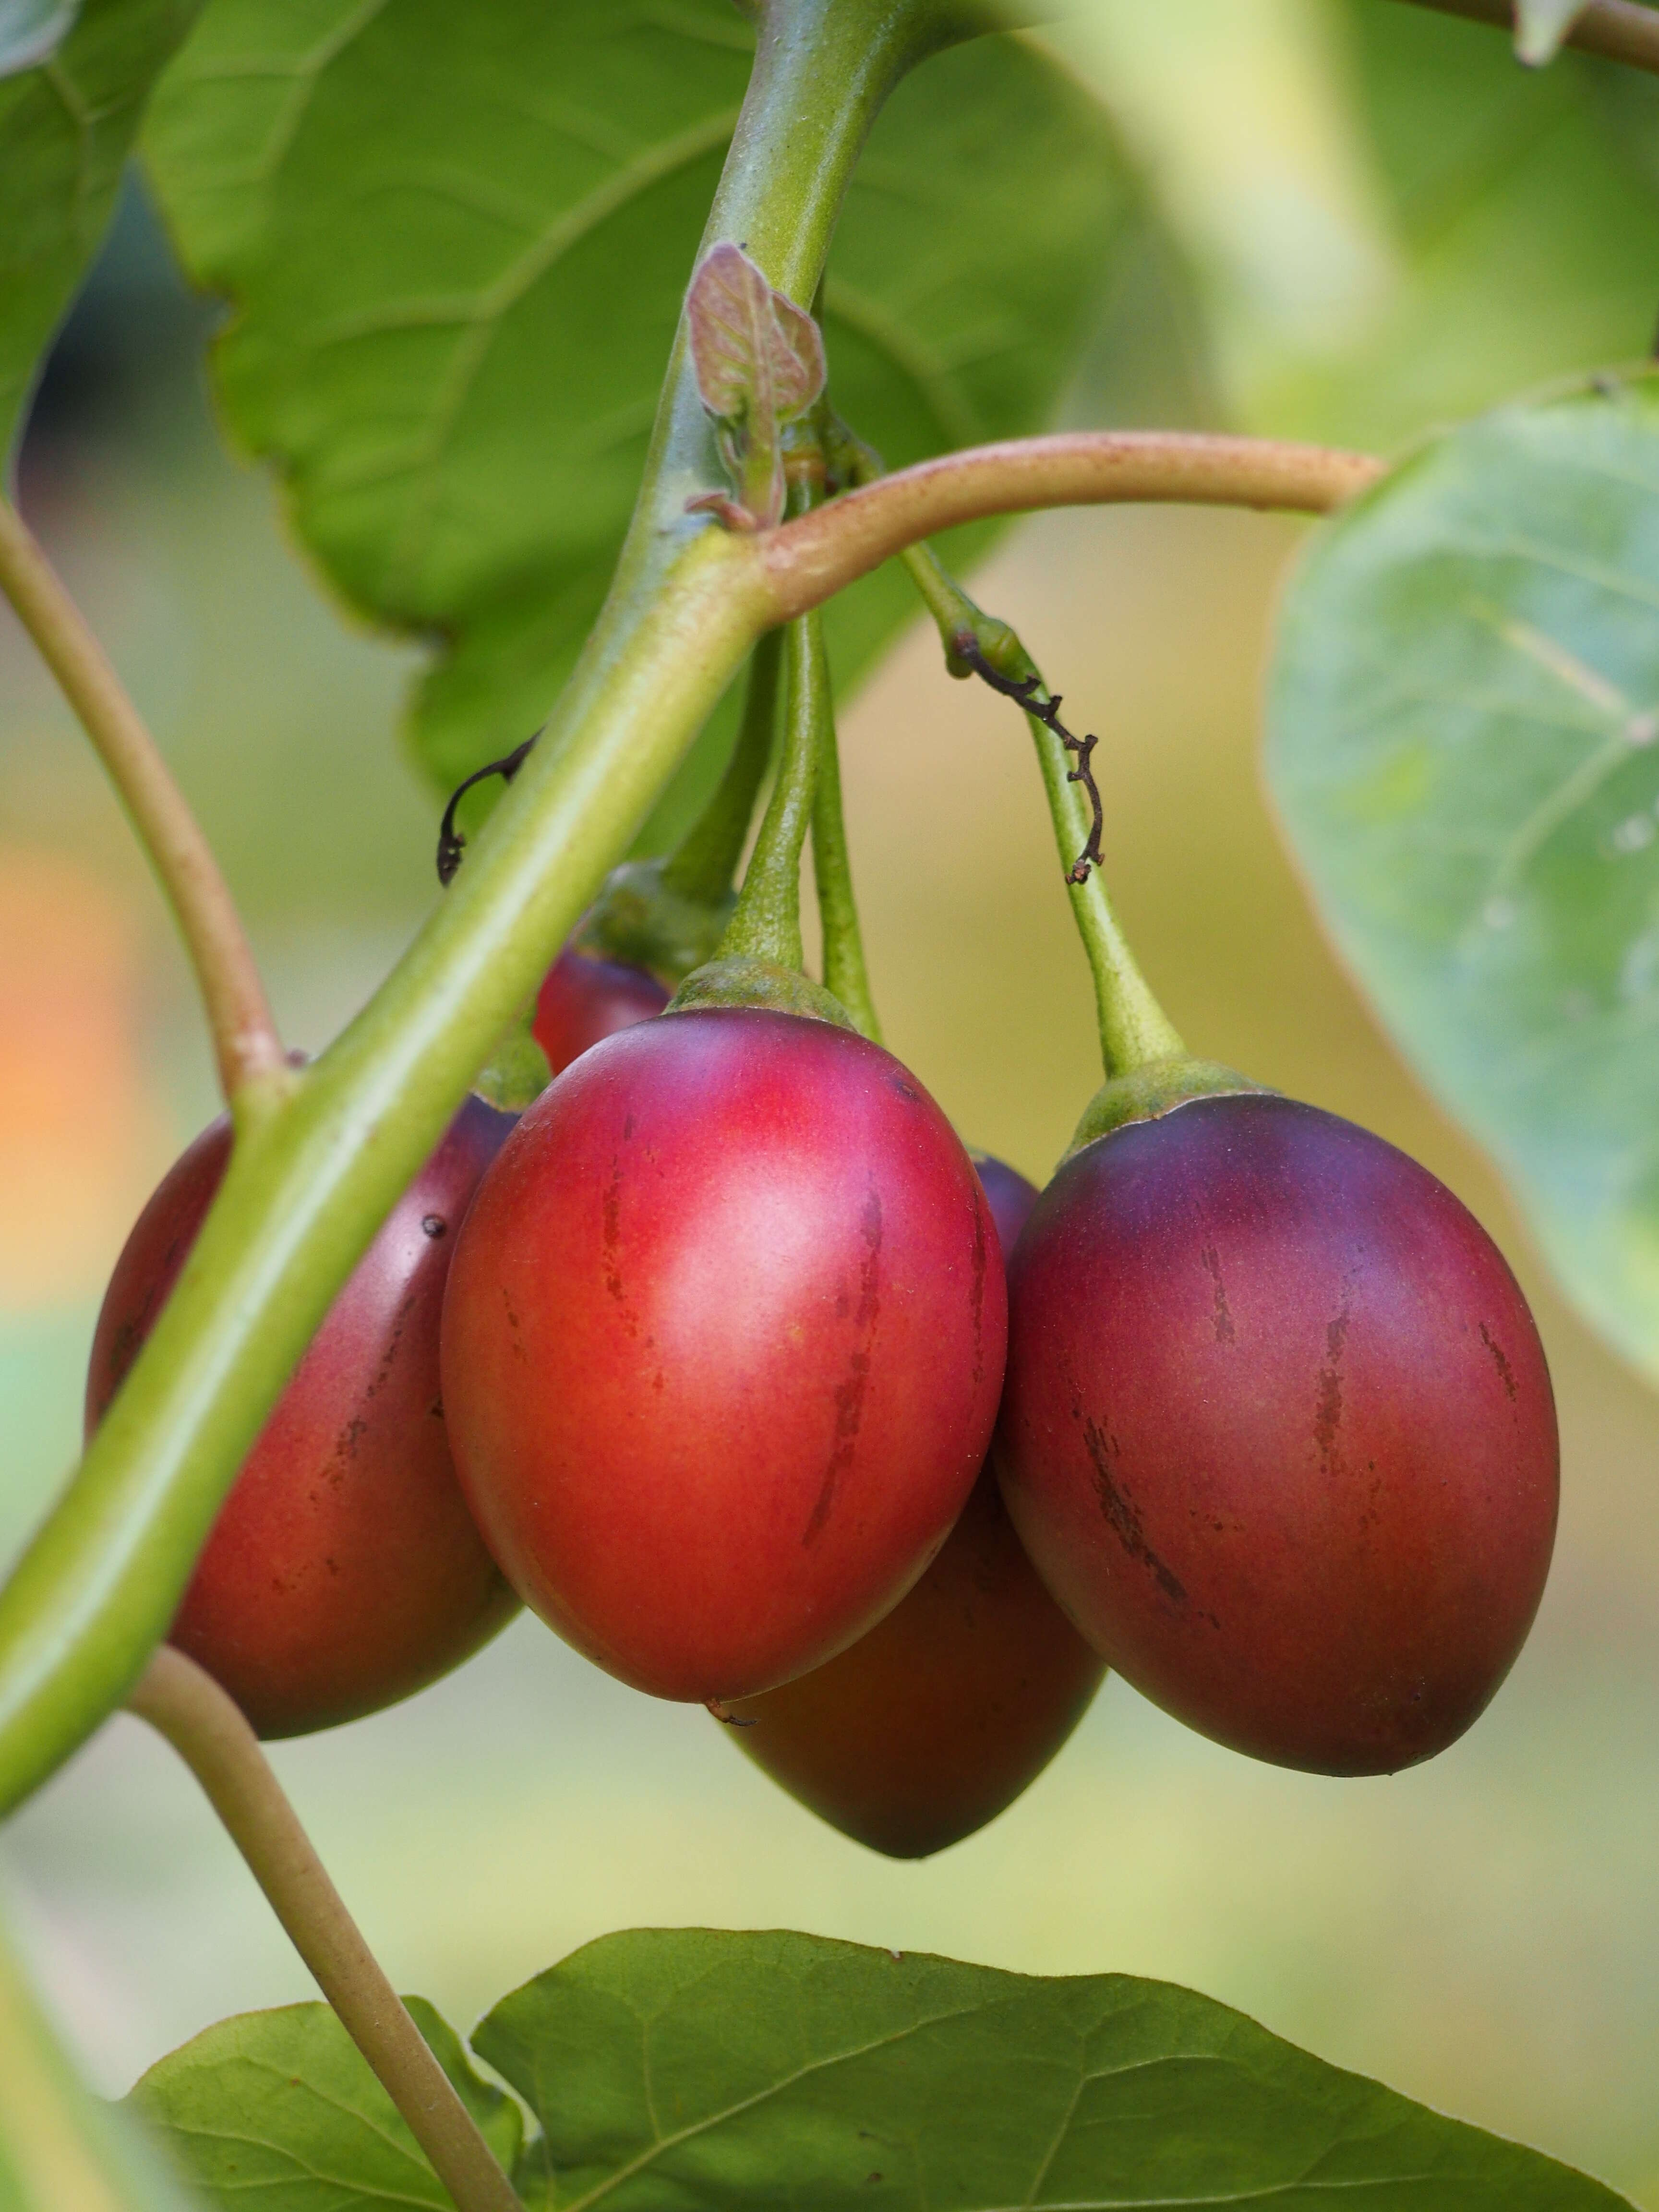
(1617, 29)
(248, 1049)
(208, 1733)
(810, 559)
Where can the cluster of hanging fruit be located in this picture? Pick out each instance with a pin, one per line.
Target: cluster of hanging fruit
(727, 1359)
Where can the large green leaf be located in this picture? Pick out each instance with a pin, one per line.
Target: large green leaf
(66, 127)
(685, 2069)
(279, 2109)
(457, 242)
(681, 2070)
(1463, 718)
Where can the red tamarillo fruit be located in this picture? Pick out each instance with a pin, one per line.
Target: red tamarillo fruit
(931, 1723)
(722, 1347)
(1278, 1431)
(343, 1571)
(584, 998)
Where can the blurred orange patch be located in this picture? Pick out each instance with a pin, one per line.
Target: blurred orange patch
(80, 1131)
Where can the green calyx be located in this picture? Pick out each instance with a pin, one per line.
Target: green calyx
(668, 914)
(639, 919)
(745, 978)
(516, 1073)
(1156, 1088)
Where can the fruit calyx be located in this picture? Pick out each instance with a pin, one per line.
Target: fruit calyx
(1157, 1087)
(745, 978)
(642, 920)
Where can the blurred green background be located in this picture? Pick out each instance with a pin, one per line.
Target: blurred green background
(1376, 220)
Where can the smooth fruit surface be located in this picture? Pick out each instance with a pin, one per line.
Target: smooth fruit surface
(583, 999)
(1278, 1431)
(1009, 1195)
(934, 1722)
(343, 1571)
(722, 1347)
(931, 1723)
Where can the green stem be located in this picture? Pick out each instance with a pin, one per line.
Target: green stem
(1134, 1029)
(705, 860)
(846, 977)
(765, 923)
(310, 1181)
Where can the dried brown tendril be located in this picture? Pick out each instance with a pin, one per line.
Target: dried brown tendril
(451, 841)
(1023, 690)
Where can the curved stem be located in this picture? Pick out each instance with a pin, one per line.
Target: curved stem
(248, 1049)
(703, 863)
(812, 557)
(1616, 28)
(208, 1733)
(846, 976)
(1134, 1029)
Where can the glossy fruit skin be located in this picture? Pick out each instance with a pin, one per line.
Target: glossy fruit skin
(1278, 1433)
(343, 1571)
(1008, 1194)
(583, 999)
(722, 1347)
(931, 1723)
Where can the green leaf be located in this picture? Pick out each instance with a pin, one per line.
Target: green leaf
(677, 2070)
(66, 127)
(458, 241)
(279, 2108)
(1462, 744)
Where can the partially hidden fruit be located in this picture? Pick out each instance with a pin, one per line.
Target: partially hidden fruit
(1278, 1431)
(931, 1723)
(343, 1571)
(722, 1347)
(584, 998)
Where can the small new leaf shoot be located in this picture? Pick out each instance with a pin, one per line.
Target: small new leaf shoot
(759, 363)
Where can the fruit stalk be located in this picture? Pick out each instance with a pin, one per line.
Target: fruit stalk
(204, 1727)
(246, 1045)
(702, 865)
(846, 976)
(1134, 1031)
(765, 923)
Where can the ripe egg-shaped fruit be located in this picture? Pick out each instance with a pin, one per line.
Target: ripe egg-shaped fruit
(584, 998)
(934, 1721)
(343, 1571)
(1278, 1431)
(722, 1347)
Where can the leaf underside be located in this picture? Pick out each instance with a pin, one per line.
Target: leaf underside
(682, 2070)
(1464, 745)
(457, 242)
(66, 127)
